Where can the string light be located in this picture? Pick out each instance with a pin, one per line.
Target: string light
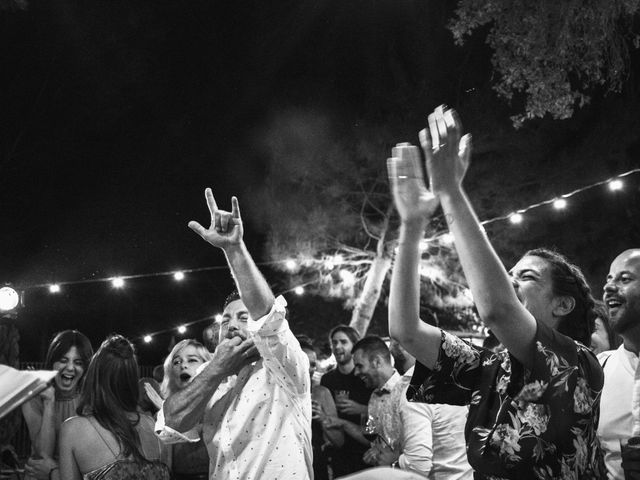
(290, 264)
(347, 277)
(615, 185)
(516, 218)
(560, 204)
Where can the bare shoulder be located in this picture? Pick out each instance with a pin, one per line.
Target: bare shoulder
(75, 424)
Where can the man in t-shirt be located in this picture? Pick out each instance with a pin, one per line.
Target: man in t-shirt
(351, 396)
(617, 421)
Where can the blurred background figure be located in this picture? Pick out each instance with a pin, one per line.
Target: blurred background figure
(69, 353)
(603, 337)
(322, 406)
(210, 336)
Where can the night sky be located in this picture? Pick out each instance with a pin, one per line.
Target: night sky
(115, 115)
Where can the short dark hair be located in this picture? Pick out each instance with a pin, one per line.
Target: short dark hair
(305, 342)
(62, 343)
(567, 280)
(350, 332)
(373, 345)
(232, 297)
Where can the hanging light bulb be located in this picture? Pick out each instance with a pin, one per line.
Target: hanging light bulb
(147, 339)
(54, 288)
(560, 204)
(117, 282)
(515, 218)
(290, 264)
(9, 299)
(299, 290)
(182, 329)
(178, 276)
(615, 185)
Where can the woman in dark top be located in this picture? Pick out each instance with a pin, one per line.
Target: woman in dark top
(534, 407)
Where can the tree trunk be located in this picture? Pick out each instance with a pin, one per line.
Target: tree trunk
(368, 299)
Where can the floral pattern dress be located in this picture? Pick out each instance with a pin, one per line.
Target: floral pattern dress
(523, 424)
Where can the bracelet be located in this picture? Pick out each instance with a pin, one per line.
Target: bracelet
(51, 472)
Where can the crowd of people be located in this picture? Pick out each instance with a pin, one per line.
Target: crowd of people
(552, 394)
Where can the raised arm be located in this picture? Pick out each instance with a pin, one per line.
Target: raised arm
(415, 205)
(447, 156)
(41, 423)
(226, 232)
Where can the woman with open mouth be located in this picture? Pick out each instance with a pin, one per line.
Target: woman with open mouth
(189, 461)
(69, 353)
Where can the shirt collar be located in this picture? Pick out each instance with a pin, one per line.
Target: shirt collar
(389, 384)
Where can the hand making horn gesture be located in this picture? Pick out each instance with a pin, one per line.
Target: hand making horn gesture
(226, 227)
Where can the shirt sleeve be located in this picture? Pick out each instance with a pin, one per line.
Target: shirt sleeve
(454, 376)
(280, 350)
(564, 374)
(417, 451)
(169, 436)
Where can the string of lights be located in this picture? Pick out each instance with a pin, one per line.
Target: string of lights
(560, 202)
(182, 329)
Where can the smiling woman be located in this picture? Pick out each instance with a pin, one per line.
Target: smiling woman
(69, 353)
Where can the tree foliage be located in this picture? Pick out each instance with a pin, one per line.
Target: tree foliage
(554, 53)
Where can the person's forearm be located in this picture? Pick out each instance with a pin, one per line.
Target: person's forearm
(333, 435)
(487, 277)
(355, 432)
(492, 289)
(419, 339)
(404, 296)
(46, 440)
(184, 409)
(254, 289)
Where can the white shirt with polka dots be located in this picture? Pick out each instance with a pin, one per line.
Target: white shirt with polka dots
(257, 426)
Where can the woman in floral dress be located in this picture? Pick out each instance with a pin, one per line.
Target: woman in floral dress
(533, 408)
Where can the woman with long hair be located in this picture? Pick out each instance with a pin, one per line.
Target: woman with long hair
(110, 439)
(69, 353)
(534, 407)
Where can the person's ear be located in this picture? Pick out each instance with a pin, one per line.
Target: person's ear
(563, 305)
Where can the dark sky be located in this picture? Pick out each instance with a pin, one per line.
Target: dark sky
(114, 116)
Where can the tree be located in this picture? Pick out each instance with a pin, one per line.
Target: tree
(331, 219)
(552, 53)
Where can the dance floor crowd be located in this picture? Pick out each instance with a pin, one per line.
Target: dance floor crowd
(552, 393)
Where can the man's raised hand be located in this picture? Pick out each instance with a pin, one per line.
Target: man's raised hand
(413, 200)
(226, 228)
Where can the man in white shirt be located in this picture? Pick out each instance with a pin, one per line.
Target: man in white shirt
(620, 400)
(256, 426)
(416, 437)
